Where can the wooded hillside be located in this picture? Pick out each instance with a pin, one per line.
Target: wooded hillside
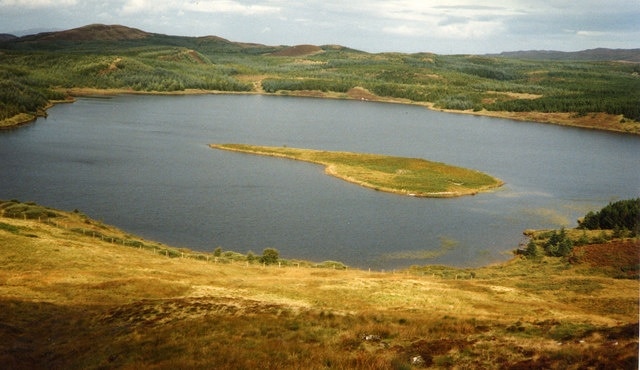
(40, 68)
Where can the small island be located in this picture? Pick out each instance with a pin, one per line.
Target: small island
(399, 175)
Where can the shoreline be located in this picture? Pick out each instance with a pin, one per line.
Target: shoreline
(22, 119)
(593, 121)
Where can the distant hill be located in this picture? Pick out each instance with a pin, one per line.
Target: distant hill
(109, 37)
(600, 54)
(113, 35)
(7, 37)
(116, 33)
(92, 32)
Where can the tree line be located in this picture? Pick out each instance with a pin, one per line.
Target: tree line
(31, 73)
(621, 219)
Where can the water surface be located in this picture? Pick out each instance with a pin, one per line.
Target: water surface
(142, 163)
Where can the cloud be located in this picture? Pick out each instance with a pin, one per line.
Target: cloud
(228, 6)
(439, 20)
(136, 6)
(35, 4)
(590, 33)
(199, 6)
(404, 30)
(443, 26)
(458, 30)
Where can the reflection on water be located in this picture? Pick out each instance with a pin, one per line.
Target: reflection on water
(142, 163)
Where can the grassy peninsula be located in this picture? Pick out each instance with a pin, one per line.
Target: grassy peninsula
(407, 176)
(77, 293)
(596, 89)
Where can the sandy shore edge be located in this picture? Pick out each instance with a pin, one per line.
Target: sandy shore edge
(594, 121)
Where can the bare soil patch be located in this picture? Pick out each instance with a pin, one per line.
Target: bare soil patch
(360, 93)
(597, 121)
(112, 67)
(298, 50)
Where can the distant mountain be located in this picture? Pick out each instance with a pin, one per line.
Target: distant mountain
(33, 31)
(7, 37)
(113, 34)
(92, 32)
(600, 54)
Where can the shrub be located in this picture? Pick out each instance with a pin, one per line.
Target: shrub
(559, 244)
(270, 256)
(532, 250)
(457, 102)
(332, 265)
(251, 257)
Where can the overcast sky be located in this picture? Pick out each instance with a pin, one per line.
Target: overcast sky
(440, 26)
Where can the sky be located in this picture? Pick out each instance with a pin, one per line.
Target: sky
(439, 26)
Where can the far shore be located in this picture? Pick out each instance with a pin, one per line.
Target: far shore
(594, 121)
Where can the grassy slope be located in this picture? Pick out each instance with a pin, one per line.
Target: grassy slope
(69, 299)
(407, 176)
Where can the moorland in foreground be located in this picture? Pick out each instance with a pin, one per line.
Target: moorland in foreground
(76, 293)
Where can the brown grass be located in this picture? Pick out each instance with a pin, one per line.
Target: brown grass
(298, 50)
(17, 120)
(622, 258)
(71, 300)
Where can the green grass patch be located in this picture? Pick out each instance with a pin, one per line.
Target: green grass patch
(10, 228)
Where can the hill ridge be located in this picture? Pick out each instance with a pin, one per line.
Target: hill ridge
(596, 54)
(91, 32)
(117, 32)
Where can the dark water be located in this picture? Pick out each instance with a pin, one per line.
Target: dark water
(142, 163)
